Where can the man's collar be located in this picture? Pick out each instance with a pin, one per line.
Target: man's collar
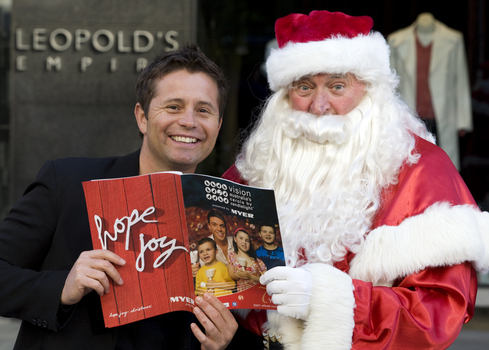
(125, 166)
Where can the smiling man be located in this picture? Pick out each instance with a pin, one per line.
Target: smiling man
(50, 276)
(224, 243)
(217, 225)
(181, 123)
(381, 235)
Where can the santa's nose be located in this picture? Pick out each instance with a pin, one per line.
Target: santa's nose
(320, 104)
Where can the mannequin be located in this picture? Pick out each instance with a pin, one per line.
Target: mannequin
(425, 26)
(447, 73)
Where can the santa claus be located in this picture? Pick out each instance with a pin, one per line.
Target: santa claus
(382, 237)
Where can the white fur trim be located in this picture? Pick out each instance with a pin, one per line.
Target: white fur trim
(330, 323)
(288, 328)
(335, 55)
(443, 235)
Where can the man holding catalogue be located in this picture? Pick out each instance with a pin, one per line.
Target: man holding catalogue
(48, 268)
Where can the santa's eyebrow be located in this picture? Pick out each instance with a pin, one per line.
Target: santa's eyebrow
(301, 79)
(339, 76)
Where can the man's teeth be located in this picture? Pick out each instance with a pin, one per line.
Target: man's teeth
(184, 139)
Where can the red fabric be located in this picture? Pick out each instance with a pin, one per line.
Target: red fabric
(318, 26)
(233, 174)
(425, 310)
(254, 321)
(424, 105)
(433, 179)
(422, 311)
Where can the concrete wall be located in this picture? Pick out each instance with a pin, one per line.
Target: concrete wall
(73, 67)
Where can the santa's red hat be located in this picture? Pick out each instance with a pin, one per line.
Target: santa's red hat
(325, 42)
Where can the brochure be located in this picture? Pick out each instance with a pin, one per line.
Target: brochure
(182, 235)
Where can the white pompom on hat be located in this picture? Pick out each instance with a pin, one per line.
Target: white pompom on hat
(325, 42)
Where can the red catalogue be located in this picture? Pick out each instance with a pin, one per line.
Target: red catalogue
(159, 224)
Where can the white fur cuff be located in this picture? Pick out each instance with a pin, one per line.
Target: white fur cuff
(287, 328)
(330, 323)
(443, 235)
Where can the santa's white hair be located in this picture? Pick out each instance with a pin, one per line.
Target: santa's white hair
(328, 172)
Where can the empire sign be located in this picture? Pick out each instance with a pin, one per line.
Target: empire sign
(83, 41)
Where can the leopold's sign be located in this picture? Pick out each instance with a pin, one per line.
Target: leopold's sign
(85, 41)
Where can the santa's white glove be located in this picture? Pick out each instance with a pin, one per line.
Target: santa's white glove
(290, 289)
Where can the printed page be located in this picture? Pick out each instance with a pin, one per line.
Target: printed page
(243, 223)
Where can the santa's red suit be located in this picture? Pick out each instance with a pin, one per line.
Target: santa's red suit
(413, 284)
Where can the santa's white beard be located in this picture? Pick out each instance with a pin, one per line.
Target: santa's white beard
(327, 174)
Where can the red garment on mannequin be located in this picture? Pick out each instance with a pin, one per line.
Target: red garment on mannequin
(424, 105)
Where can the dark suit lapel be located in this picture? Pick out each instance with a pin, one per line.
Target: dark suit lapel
(125, 166)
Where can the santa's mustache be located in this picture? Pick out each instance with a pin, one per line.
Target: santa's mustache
(326, 128)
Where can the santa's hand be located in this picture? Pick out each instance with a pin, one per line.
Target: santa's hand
(290, 289)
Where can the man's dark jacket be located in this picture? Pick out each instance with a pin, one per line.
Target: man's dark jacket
(41, 239)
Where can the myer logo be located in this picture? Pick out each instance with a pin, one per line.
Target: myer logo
(182, 300)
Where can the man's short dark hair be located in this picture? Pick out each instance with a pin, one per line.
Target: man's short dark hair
(189, 57)
(216, 214)
(267, 224)
(206, 240)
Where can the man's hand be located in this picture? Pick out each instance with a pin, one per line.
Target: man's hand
(91, 271)
(218, 322)
(290, 289)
